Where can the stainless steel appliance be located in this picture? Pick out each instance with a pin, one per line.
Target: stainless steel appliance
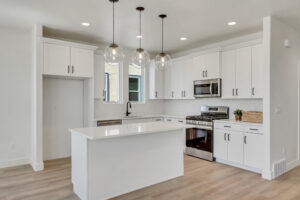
(109, 122)
(207, 88)
(199, 140)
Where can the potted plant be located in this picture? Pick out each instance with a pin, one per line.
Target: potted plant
(238, 114)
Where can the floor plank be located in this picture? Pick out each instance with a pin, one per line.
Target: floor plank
(202, 180)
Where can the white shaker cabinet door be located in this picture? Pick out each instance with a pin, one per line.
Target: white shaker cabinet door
(212, 65)
(188, 85)
(82, 62)
(228, 74)
(99, 77)
(178, 78)
(198, 68)
(257, 71)
(253, 150)
(235, 147)
(243, 72)
(220, 144)
(56, 60)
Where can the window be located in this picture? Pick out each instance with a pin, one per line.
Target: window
(135, 84)
(112, 82)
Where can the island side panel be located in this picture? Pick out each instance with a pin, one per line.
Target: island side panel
(121, 165)
(79, 165)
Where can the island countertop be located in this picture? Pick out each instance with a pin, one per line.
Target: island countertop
(105, 132)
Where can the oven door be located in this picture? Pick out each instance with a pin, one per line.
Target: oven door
(200, 139)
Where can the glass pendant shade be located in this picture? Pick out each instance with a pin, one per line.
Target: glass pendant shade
(140, 58)
(114, 54)
(162, 61)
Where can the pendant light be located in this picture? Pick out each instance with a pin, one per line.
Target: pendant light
(162, 60)
(140, 57)
(113, 53)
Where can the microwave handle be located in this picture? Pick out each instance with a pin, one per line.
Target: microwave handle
(210, 88)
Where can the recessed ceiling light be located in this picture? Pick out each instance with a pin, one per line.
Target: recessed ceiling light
(231, 23)
(139, 36)
(183, 38)
(85, 24)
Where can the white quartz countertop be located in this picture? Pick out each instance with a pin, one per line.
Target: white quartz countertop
(232, 121)
(105, 132)
(131, 117)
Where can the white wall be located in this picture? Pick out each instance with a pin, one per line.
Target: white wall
(15, 106)
(284, 92)
(62, 109)
(192, 107)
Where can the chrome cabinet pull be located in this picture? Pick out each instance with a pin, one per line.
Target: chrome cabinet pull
(203, 74)
(227, 126)
(253, 129)
(245, 139)
(206, 73)
(184, 93)
(225, 136)
(232, 91)
(253, 93)
(236, 92)
(68, 69)
(172, 94)
(73, 69)
(228, 138)
(156, 94)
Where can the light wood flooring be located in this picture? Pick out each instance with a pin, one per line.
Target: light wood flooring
(202, 181)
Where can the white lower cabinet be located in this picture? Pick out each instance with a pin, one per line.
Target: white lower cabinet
(253, 150)
(239, 144)
(235, 147)
(220, 144)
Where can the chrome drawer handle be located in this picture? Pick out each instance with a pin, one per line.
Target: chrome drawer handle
(253, 129)
(227, 126)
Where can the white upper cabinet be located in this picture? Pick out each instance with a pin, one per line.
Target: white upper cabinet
(63, 60)
(228, 74)
(56, 60)
(179, 79)
(258, 71)
(155, 82)
(82, 62)
(207, 66)
(243, 73)
(99, 77)
(188, 85)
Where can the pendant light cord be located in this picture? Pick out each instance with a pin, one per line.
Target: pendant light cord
(113, 22)
(140, 42)
(162, 35)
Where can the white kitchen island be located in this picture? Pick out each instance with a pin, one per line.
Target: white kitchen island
(113, 160)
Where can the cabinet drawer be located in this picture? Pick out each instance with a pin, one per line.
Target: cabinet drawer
(231, 127)
(254, 129)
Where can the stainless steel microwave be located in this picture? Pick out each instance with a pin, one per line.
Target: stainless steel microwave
(207, 88)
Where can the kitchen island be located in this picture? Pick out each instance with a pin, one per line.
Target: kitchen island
(110, 161)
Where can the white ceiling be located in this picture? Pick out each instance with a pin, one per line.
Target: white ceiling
(201, 21)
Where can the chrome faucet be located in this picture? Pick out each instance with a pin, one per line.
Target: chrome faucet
(128, 105)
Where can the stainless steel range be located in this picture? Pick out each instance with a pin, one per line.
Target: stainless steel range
(199, 140)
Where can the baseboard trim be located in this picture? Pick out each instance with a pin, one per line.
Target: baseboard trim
(255, 170)
(268, 175)
(14, 162)
(292, 164)
(37, 166)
